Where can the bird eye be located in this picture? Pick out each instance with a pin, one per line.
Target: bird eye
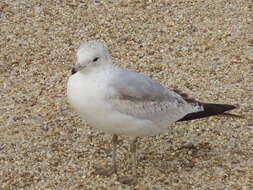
(95, 59)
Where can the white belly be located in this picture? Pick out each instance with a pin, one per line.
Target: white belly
(88, 96)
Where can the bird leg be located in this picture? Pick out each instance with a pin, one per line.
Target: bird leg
(114, 152)
(109, 171)
(133, 151)
(133, 179)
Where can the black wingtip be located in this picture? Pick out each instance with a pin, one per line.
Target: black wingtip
(209, 110)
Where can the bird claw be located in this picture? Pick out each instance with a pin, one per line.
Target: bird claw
(127, 180)
(104, 171)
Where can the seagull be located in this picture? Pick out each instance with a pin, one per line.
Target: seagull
(123, 102)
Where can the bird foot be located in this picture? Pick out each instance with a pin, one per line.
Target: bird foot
(104, 171)
(127, 180)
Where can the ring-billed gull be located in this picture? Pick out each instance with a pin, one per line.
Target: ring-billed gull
(123, 102)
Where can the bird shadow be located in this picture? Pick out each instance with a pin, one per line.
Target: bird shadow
(185, 157)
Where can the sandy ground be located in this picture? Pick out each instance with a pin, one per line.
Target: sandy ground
(204, 48)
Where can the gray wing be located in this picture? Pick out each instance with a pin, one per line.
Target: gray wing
(139, 96)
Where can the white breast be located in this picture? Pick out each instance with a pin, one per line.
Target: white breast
(87, 95)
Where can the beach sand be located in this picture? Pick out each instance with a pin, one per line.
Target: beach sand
(204, 48)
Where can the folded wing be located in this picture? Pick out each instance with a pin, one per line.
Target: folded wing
(139, 96)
